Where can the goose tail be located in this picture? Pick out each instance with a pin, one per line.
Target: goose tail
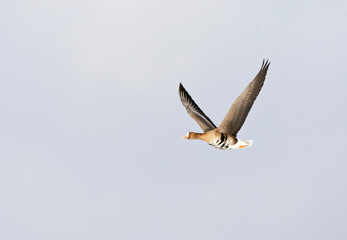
(243, 144)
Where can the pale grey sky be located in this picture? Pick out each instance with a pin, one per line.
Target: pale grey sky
(91, 122)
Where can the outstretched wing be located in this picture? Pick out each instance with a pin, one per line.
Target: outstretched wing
(194, 111)
(239, 110)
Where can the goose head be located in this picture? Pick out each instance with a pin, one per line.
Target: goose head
(187, 136)
(193, 135)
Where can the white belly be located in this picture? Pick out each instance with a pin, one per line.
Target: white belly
(228, 144)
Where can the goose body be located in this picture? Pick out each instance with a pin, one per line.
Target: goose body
(224, 137)
(219, 140)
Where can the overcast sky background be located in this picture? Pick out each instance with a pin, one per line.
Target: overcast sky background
(91, 123)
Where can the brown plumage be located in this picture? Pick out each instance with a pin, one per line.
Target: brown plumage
(224, 137)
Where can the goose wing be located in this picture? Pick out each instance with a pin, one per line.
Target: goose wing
(194, 111)
(239, 110)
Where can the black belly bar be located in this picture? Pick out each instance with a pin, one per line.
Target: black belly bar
(221, 143)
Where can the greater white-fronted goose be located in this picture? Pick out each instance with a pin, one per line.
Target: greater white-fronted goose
(224, 136)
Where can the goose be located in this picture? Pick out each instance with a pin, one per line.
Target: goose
(224, 137)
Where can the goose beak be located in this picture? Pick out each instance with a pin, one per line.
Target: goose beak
(185, 136)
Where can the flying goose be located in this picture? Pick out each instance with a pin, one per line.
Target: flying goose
(225, 136)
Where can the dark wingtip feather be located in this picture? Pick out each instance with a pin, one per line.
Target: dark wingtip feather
(181, 91)
(181, 87)
(265, 65)
(184, 95)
